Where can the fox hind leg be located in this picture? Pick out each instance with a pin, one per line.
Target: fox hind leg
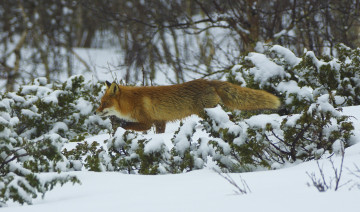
(137, 126)
(208, 100)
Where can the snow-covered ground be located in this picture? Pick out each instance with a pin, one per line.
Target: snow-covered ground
(279, 190)
(285, 189)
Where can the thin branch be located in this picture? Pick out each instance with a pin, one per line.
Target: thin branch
(80, 59)
(276, 147)
(245, 189)
(11, 159)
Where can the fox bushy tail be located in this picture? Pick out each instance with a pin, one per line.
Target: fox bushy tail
(241, 98)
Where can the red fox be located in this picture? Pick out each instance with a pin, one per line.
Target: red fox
(145, 106)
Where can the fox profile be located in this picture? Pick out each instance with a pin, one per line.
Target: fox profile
(145, 106)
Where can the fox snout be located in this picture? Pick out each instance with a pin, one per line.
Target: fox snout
(101, 113)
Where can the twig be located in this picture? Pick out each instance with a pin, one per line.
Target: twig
(322, 184)
(11, 159)
(245, 189)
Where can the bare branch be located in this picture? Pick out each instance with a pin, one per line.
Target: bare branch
(244, 189)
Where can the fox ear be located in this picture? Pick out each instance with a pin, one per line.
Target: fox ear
(108, 84)
(114, 88)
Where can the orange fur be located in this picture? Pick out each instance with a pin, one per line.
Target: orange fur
(145, 106)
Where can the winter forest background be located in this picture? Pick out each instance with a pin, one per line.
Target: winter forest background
(55, 56)
(39, 38)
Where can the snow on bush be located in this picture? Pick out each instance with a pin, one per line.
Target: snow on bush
(130, 152)
(35, 122)
(308, 125)
(312, 93)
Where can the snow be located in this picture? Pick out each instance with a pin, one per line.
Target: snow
(354, 113)
(154, 145)
(204, 190)
(287, 54)
(182, 139)
(28, 113)
(16, 97)
(291, 87)
(334, 63)
(264, 69)
(5, 133)
(324, 105)
(262, 120)
(41, 90)
(59, 126)
(53, 97)
(85, 107)
(222, 119)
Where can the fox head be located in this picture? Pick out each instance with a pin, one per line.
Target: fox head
(109, 104)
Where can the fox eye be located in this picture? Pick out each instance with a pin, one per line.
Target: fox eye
(105, 104)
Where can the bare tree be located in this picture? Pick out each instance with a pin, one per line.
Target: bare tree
(183, 34)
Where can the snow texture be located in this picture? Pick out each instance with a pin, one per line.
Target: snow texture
(182, 140)
(287, 54)
(154, 145)
(264, 69)
(85, 107)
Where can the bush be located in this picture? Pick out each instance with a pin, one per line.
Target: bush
(309, 124)
(35, 123)
(131, 153)
(311, 91)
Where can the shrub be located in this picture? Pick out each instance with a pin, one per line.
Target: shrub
(307, 126)
(35, 122)
(311, 91)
